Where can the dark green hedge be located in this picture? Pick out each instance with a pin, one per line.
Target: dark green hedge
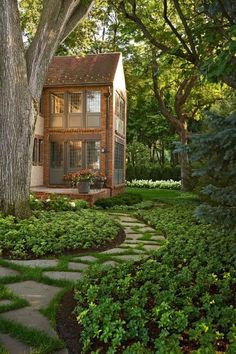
(153, 172)
(121, 199)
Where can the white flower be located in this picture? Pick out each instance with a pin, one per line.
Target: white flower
(72, 204)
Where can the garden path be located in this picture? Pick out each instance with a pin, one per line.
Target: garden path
(30, 288)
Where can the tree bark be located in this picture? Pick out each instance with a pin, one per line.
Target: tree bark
(184, 160)
(16, 116)
(22, 75)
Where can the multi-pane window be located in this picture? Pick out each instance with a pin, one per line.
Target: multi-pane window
(75, 102)
(75, 154)
(56, 154)
(57, 103)
(94, 101)
(35, 152)
(93, 154)
(119, 163)
(38, 151)
(119, 114)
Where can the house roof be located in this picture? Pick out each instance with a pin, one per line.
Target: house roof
(91, 69)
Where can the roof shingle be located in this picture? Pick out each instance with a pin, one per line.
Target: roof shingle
(92, 69)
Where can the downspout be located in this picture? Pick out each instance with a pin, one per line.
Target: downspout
(108, 94)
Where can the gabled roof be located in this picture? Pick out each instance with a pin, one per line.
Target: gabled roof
(91, 69)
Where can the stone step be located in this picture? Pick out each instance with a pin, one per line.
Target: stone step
(13, 345)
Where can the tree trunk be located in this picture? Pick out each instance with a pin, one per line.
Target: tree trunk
(16, 116)
(22, 75)
(184, 160)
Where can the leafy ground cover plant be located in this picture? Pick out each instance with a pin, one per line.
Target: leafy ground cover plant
(168, 184)
(121, 199)
(180, 300)
(48, 233)
(57, 203)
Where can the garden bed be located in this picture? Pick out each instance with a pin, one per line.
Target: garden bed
(180, 300)
(49, 233)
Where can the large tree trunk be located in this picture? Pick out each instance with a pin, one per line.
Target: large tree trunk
(22, 76)
(184, 160)
(16, 116)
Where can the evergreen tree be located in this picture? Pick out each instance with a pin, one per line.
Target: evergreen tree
(216, 151)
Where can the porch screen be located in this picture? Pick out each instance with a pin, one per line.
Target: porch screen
(93, 154)
(119, 163)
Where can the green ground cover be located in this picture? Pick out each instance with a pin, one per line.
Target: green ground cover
(180, 300)
(50, 233)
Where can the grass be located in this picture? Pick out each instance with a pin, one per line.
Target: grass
(163, 195)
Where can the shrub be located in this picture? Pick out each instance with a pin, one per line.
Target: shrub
(54, 232)
(180, 300)
(121, 199)
(57, 203)
(152, 171)
(169, 184)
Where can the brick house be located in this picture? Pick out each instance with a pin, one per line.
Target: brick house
(82, 120)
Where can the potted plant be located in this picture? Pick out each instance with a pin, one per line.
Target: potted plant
(71, 179)
(100, 179)
(84, 178)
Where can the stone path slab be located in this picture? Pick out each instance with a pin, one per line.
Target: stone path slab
(77, 266)
(130, 257)
(147, 229)
(57, 275)
(151, 247)
(36, 263)
(110, 263)
(114, 250)
(13, 345)
(126, 219)
(30, 318)
(85, 258)
(37, 294)
(5, 302)
(6, 272)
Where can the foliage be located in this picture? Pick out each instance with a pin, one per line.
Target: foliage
(137, 153)
(152, 171)
(57, 203)
(216, 151)
(121, 199)
(85, 174)
(51, 232)
(146, 204)
(182, 299)
(169, 184)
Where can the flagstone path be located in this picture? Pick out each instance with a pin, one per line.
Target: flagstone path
(140, 240)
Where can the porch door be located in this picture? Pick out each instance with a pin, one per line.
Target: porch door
(74, 156)
(56, 162)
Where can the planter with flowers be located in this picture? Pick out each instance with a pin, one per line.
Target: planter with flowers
(84, 178)
(100, 180)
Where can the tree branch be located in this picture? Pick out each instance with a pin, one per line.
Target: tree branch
(172, 27)
(188, 32)
(159, 97)
(183, 94)
(54, 24)
(77, 16)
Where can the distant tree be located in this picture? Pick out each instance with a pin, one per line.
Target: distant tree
(22, 73)
(215, 150)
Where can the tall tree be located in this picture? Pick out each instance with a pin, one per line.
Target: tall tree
(22, 75)
(199, 32)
